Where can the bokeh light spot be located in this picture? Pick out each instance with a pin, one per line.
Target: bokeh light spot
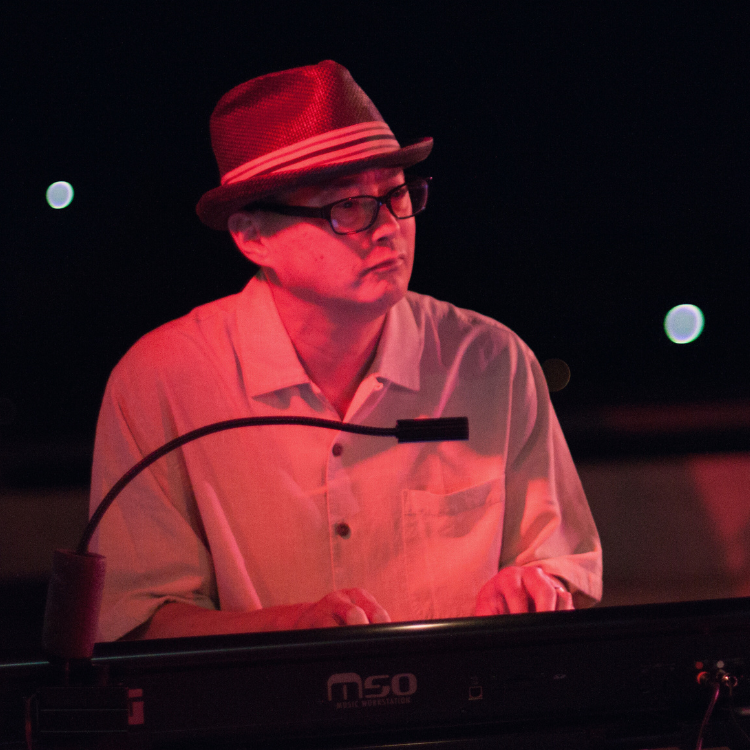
(60, 194)
(684, 324)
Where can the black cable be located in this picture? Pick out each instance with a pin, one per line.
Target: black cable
(188, 437)
(707, 716)
(406, 431)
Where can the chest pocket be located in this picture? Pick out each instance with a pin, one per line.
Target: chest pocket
(455, 514)
(452, 546)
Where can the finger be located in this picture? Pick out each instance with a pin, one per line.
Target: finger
(333, 610)
(564, 601)
(503, 594)
(355, 616)
(564, 597)
(346, 611)
(490, 602)
(510, 583)
(485, 603)
(317, 616)
(517, 598)
(368, 604)
(542, 590)
(558, 599)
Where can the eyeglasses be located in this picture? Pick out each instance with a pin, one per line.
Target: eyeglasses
(360, 212)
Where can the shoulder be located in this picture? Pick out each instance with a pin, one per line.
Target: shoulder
(204, 333)
(456, 328)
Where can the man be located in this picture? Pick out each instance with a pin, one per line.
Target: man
(294, 527)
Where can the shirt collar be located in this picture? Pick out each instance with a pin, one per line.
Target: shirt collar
(400, 347)
(269, 361)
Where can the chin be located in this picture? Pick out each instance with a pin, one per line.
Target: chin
(394, 293)
(375, 306)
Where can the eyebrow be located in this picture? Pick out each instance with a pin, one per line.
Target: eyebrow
(349, 180)
(338, 184)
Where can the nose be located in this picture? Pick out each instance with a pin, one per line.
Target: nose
(386, 224)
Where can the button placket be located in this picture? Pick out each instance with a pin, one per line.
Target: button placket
(341, 529)
(342, 505)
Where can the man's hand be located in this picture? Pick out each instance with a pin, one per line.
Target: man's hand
(515, 590)
(343, 607)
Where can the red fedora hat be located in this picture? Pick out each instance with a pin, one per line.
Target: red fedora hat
(297, 127)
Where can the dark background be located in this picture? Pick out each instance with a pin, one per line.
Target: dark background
(590, 172)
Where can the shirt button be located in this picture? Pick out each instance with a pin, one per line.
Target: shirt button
(337, 449)
(343, 530)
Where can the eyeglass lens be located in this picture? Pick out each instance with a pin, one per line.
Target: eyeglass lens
(356, 214)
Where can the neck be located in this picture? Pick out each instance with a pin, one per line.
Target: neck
(336, 347)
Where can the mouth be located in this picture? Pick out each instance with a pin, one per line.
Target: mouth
(389, 264)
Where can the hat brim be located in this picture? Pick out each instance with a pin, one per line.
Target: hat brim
(217, 205)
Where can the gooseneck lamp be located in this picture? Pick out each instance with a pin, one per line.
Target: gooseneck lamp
(77, 583)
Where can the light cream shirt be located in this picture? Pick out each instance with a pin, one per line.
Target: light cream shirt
(260, 516)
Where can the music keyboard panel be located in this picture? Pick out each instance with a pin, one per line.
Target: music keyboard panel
(610, 677)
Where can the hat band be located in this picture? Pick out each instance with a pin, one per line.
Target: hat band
(334, 147)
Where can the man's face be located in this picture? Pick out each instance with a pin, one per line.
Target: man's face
(360, 274)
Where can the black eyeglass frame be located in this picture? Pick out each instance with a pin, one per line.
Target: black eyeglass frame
(324, 212)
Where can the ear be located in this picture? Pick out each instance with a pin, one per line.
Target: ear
(246, 234)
